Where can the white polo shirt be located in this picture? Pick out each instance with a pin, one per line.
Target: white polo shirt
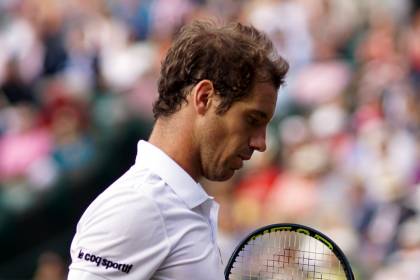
(155, 222)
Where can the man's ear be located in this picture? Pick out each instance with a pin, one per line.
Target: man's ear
(203, 96)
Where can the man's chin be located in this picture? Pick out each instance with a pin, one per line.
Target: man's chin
(226, 175)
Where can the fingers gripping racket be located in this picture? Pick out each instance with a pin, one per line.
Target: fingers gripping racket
(287, 252)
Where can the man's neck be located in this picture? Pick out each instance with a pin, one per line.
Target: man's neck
(175, 137)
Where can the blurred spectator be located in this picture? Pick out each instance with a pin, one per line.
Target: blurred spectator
(14, 88)
(24, 142)
(73, 149)
(50, 267)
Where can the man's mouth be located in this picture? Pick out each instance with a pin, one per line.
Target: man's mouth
(245, 157)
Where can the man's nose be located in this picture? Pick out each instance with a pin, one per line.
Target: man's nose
(257, 141)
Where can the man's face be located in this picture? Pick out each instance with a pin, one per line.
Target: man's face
(230, 138)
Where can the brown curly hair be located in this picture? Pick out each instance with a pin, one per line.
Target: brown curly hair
(233, 57)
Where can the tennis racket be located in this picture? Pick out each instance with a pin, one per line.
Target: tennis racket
(288, 252)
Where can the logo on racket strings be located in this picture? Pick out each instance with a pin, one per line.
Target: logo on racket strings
(298, 230)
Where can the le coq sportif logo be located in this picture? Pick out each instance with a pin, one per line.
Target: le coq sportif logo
(106, 263)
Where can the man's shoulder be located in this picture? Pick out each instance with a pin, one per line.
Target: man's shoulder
(120, 230)
(131, 194)
(134, 183)
(136, 178)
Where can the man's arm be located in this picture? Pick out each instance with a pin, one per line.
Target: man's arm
(122, 236)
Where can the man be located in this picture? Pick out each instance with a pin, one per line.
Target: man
(217, 93)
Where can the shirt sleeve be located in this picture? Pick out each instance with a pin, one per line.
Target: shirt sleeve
(120, 236)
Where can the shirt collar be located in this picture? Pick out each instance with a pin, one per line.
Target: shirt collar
(191, 192)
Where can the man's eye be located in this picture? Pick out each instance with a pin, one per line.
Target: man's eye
(252, 121)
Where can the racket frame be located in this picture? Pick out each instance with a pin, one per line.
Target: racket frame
(291, 227)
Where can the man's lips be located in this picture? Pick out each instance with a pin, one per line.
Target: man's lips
(245, 157)
(240, 158)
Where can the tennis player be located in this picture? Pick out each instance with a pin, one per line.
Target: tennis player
(217, 93)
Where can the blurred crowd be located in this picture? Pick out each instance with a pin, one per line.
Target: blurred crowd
(344, 148)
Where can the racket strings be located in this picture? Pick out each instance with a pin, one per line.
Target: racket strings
(286, 256)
